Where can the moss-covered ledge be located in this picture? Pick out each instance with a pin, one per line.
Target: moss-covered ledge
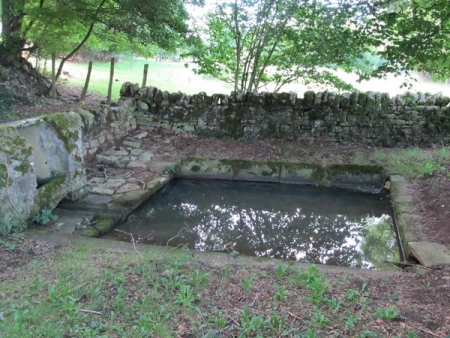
(407, 221)
(358, 177)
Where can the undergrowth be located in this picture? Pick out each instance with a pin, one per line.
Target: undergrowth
(411, 163)
(91, 293)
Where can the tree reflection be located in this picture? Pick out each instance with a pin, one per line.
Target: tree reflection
(303, 224)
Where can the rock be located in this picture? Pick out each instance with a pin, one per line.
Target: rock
(132, 144)
(102, 191)
(129, 187)
(136, 164)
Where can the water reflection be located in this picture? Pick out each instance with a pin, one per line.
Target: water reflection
(328, 226)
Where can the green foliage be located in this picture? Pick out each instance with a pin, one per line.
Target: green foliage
(250, 43)
(45, 216)
(10, 226)
(391, 313)
(412, 35)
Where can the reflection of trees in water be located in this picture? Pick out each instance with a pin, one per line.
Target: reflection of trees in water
(379, 242)
(290, 225)
(296, 236)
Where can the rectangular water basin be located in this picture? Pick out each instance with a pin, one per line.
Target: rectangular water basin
(295, 222)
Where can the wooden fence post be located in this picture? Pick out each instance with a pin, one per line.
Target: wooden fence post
(144, 80)
(111, 78)
(86, 84)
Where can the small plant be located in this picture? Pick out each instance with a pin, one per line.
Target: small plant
(251, 323)
(390, 313)
(280, 271)
(186, 296)
(281, 293)
(11, 226)
(246, 284)
(170, 170)
(11, 233)
(45, 216)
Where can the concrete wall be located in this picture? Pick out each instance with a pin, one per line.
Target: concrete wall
(369, 118)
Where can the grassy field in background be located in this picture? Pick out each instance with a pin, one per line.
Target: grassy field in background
(170, 76)
(174, 77)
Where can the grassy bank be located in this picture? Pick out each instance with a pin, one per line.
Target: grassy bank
(87, 292)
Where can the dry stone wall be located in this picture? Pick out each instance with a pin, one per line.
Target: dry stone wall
(369, 118)
(105, 126)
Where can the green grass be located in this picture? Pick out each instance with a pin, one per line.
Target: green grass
(174, 77)
(170, 76)
(411, 163)
(87, 292)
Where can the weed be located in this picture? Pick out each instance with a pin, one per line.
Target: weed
(280, 271)
(281, 293)
(219, 321)
(186, 296)
(250, 323)
(226, 272)
(390, 313)
(45, 216)
(12, 226)
(315, 284)
(246, 284)
(334, 304)
(319, 320)
(351, 322)
(352, 295)
(198, 277)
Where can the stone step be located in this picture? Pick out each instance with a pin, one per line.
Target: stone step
(430, 254)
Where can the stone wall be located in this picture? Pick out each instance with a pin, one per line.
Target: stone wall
(42, 159)
(105, 126)
(369, 118)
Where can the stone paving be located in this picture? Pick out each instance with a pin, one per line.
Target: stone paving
(120, 178)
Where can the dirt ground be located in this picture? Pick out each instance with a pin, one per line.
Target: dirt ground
(430, 310)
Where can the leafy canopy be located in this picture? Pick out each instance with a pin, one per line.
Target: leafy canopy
(250, 43)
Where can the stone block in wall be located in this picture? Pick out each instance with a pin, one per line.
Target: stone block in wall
(309, 98)
(142, 106)
(129, 89)
(345, 100)
(318, 98)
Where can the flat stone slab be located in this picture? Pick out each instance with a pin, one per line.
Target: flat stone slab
(430, 254)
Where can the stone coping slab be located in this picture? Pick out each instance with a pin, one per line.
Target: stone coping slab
(358, 177)
(429, 254)
(213, 258)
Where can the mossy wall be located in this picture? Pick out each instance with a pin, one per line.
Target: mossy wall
(41, 162)
(369, 118)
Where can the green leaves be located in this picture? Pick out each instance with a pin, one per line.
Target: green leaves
(251, 43)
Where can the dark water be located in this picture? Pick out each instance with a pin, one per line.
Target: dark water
(302, 223)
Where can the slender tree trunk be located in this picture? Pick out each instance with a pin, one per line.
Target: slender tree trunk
(86, 37)
(53, 88)
(238, 47)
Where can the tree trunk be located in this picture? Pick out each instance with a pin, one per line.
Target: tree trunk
(53, 88)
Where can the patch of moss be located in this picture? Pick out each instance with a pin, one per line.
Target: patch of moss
(3, 175)
(66, 127)
(306, 170)
(195, 168)
(47, 193)
(105, 225)
(91, 233)
(354, 169)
